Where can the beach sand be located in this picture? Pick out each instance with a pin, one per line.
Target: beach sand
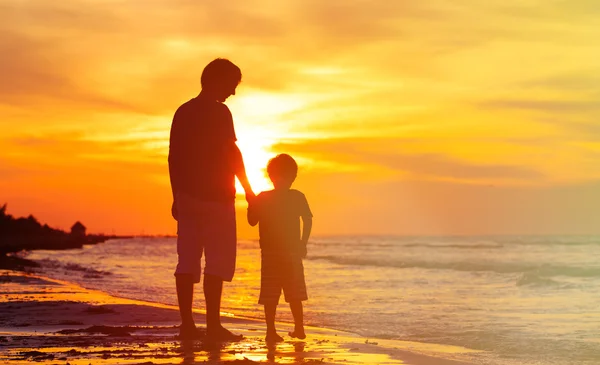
(52, 322)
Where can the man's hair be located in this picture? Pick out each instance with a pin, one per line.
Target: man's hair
(218, 71)
(282, 165)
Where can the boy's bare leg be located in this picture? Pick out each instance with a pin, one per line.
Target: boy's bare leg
(297, 312)
(185, 293)
(272, 336)
(213, 288)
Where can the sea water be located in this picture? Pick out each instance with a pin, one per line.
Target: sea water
(522, 300)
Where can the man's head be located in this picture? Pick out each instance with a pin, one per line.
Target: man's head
(282, 170)
(220, 79)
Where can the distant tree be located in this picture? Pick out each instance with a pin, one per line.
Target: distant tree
(30, 226)
(3, 215)
(5, 220)
(33, 221)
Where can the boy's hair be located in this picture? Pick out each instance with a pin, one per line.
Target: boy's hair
(282, 165)
(218, 71)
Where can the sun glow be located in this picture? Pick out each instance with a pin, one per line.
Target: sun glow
(252, 110)
(254, 104)
(256, 154)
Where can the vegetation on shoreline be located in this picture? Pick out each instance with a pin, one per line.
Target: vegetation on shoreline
(27, 233)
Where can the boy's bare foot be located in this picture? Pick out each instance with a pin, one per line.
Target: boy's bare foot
(273, 337)
(297, 333)
(189, 333)
(222, 335)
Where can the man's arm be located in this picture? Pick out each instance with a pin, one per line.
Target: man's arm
(240, 172)
(238, 163)
(253, 214)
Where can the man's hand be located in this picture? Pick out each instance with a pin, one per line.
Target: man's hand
(250, 196)
(174, 212)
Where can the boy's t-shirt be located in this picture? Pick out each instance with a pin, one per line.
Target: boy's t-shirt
(279, 213)
(200, 161)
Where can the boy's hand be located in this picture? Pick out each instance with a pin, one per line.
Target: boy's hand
(303, 250)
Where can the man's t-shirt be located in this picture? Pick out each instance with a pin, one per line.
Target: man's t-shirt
(279, 213)
(200, 151)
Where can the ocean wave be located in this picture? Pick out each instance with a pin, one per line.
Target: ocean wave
(474, 246)
(437, 245)
(542, 270)
(88, 272)
(534, 280)
(549, 240)
(480, 242)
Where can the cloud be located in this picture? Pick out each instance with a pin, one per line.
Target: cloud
(475, 92)
(371, 153)
(583, 81)
(8, 171)
(106, 54)
(39, 72)
(550, 106)
(356, 22)
(568, 102)
(68, 152)
(123, 55)
(418, 207)
(444, 167)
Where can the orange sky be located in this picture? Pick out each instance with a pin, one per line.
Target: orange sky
(429, 117)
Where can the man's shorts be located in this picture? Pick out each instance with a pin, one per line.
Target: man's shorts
(281, 272)
(207, 227)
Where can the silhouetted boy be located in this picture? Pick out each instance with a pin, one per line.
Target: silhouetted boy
(278, 214)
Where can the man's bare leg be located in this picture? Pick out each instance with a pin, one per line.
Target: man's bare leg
(213, 288)
(298, 314)
(270, 310)
(185, 294)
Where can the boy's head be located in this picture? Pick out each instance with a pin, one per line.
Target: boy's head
(282, 170)
(220, 78)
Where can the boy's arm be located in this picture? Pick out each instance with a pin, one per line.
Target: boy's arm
(306, 228)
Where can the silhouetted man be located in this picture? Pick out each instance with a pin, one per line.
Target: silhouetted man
(203, 163)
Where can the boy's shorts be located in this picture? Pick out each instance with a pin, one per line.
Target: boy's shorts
(280, 272)
(209, 227)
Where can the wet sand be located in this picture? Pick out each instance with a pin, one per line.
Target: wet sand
(52, 322)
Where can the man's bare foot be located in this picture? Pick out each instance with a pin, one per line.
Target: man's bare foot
(189, 332)
(273, 337)
(222, 335)
(297, 333)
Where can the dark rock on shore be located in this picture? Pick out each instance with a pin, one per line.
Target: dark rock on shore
(16, 263)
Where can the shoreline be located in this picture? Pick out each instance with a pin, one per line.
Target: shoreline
(46, 320)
